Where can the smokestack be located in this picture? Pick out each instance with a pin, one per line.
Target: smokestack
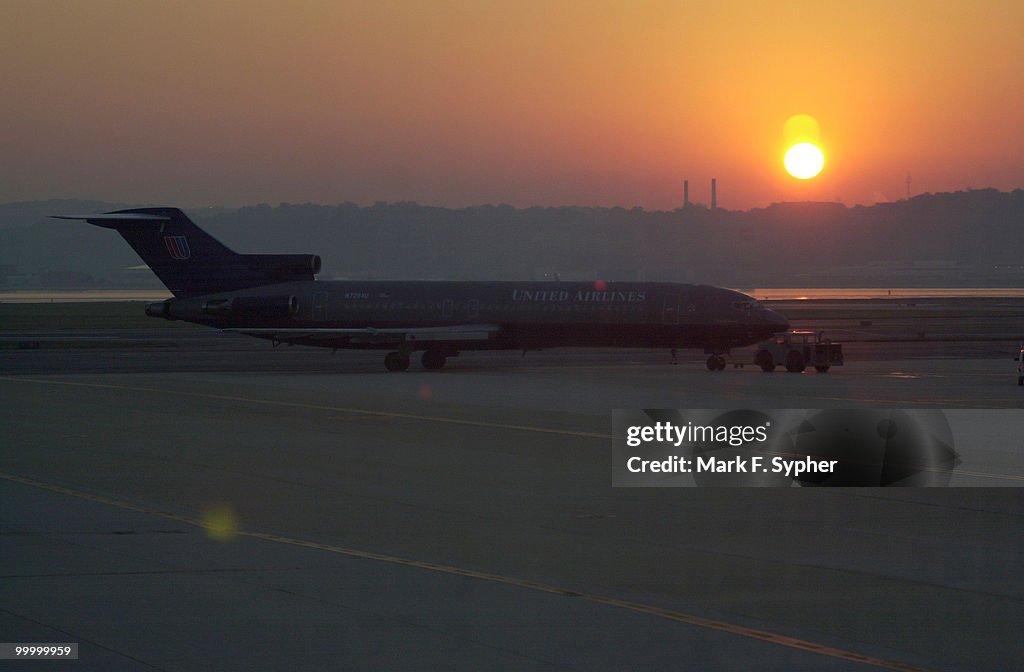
(714, 194)
(686, 193)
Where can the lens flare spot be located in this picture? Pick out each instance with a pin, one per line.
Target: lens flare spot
(801, 128)
(425, 392)
(219, 522)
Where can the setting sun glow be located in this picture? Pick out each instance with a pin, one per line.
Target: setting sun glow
(461, 104)
(804, 160)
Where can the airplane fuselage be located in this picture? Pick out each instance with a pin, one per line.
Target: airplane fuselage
(530, 315)
(276, 297)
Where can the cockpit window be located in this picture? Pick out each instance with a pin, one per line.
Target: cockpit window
(744, 305)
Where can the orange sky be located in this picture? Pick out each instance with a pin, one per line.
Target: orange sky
(528, 103)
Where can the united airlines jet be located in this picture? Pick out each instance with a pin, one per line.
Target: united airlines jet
(277, 297)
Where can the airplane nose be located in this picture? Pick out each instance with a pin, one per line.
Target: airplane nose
(776, 321)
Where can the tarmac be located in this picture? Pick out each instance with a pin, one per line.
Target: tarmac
(193, 500)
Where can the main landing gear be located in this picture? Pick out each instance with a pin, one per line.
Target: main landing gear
(399, 361)
(433, 360)
(716, 363)
(396, 361)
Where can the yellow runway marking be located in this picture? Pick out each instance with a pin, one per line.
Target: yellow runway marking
(314, 407)
(639, 607)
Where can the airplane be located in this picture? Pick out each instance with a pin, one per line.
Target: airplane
(277, 297)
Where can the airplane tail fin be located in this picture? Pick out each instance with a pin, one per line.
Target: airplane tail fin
(191, 262)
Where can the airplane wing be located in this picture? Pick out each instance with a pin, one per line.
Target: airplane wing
(374, 336)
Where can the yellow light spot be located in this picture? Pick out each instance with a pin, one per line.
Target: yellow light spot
(801, 128)
(804, 160)
(219, 522)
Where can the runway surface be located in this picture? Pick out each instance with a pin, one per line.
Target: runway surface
(190, 500)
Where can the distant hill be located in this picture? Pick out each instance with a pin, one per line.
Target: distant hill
(971, 237)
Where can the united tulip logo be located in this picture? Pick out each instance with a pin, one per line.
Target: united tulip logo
(177, 247)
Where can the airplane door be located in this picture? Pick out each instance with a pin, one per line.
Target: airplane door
(670, 310)
(320, 306)
(472, 308)
(447, 309)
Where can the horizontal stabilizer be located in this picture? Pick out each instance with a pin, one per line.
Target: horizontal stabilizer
(112, 219)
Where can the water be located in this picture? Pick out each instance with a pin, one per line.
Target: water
(86, 296)
(808, 293)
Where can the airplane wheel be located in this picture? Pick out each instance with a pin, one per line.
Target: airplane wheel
(716, 363)
(765, 361)
(395, 361)
(821, 369)
(433, 360)
(794, 362)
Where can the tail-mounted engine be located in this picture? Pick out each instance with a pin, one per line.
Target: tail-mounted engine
(239, 306)
(287, 267)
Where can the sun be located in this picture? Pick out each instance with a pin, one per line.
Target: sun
(804, 160)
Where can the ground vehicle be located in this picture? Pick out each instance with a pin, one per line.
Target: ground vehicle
(796, 349)
(1020, 366)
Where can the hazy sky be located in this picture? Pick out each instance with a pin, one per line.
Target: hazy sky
(492, 101)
